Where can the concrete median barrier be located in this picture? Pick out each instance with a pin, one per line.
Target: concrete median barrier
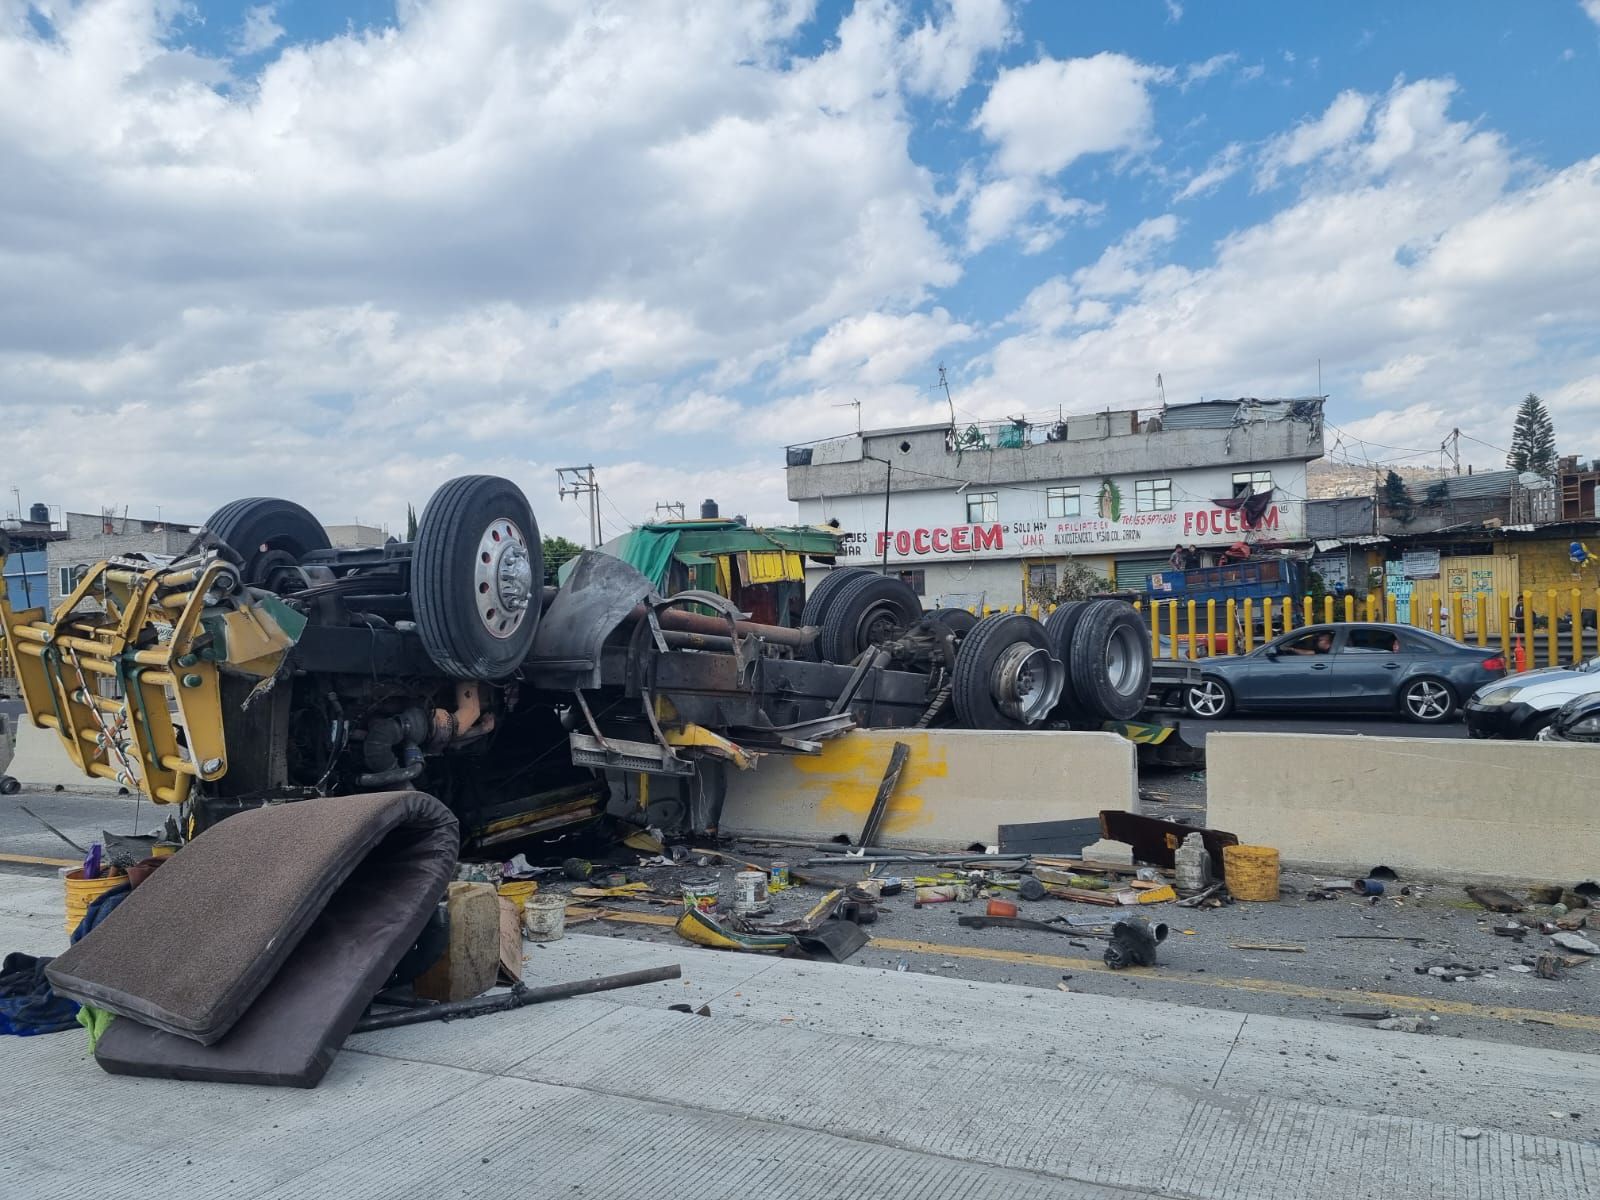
(958, 785)
(1445, 809)
(40, 761)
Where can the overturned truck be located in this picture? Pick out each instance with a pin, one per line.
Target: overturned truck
(265, 665)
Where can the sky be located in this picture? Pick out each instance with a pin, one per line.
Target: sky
(344, 250)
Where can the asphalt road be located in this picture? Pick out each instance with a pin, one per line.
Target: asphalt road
(1381, 725)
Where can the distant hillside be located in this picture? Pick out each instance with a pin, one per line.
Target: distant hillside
(1327, 479)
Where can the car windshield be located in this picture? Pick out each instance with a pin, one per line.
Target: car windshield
(1591, 667)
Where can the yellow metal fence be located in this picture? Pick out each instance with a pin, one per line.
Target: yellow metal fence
(1533, 638)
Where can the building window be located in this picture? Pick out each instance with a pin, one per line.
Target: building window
(983, 507)
(1041, 580)
(1251, 483)
(67, 578)
(1061, 502)
(917, 579)
(1153, 495)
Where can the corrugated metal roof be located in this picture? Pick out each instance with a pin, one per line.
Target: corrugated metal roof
(1484, 484)
(1220, 414)
(1211, 415)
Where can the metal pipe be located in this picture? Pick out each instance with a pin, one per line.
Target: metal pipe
(518, 997)
(688, 622)
(697, 641)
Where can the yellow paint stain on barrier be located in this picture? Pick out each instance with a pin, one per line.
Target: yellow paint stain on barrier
(1450, 1008)
(847, 773)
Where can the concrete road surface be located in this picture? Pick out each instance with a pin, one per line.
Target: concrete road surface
(812, 1081)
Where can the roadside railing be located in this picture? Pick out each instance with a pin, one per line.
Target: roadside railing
(1547, 628)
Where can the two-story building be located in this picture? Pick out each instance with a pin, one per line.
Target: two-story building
(989, 514)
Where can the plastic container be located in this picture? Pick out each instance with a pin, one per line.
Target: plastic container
(518, 891)
(1002, 908)
(750, 893)
(83, 892)
(778, 876)
(164, 849)
(701, 894)
(1251, 872)
(1193, 865)
(544, 918)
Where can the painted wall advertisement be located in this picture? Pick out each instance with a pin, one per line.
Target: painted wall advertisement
(1108, 526)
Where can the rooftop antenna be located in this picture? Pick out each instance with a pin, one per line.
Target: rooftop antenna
(673, 509)
(855, 404)
(1161, 389)
(944, 382)
(1451, 448)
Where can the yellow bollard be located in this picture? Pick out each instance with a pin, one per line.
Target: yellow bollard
(1155, 629)
(1554, 647)
(1034, 611)
(1249, 625)
(1480, 617)
(1232, 619)
(1193, 653)
(1458, 628)
(1526, 630)
(1576, 598)
(1349, 608)
(1172, 627)
(1266, 618)
(1288, 614)
(1371, 607)
(1391, 609)
(1211, 627)
(1434, 609)
(1308, 609)
(1327, 610)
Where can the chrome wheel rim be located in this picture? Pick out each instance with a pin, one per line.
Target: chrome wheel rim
(1122, 660)
(1207, 699)
(1026, 682)
(502, 578)
(1427, 701)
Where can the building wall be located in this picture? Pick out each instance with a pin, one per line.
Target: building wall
(87, 543)
(350, 536)
(1546, 564)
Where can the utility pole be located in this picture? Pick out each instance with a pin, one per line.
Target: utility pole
(673, 509)
(944, 382)
(1451, 446)
(888, 488)
(580, 481)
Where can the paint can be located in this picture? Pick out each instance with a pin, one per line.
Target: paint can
(544, 917)
(750, 893)
(701, 894)
(778, 876)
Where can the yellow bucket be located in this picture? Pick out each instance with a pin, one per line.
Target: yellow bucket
(518, 891)
(82, 892)
(1251, 872)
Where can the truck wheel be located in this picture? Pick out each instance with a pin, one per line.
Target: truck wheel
(867, 611)
(820, 597)
(1006, 675)
(957, 620)
(1059, 627)
(477, 577)
(267, 533)
(1110, 661)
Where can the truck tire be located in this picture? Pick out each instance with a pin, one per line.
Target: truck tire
(477, 577)
(9, 786)
(1110, 661)
(266, 533)
(957, 620)
(1007, 675)
(1059, 627)
(818, 600)
(865, 612)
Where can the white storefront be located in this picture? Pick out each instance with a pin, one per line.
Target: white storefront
(981, 543)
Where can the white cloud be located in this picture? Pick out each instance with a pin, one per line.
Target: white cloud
(1435, 283)
(1215, 65)
(699, 411)
(1591, 9)
(1174, 12)
(1049, 113)
(941, 56)
(1023, 207)
(877, 348)
(259, 32)
(1223, 166)
(1309, 140)
(1122, 267)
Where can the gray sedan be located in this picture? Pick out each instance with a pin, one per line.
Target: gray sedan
(1373, 668)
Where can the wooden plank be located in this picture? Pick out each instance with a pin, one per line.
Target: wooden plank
(1049, 837)
(886, 786)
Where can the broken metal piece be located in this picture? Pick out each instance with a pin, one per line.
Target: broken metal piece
(518, 997)
(1495, 900)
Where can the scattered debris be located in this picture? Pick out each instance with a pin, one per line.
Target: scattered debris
(1511, 929)
(1545, 894)
(703, 929)
(1576, 943)
(1001, 908)
(886, 786)
(1573, 921)
(1030, 888)
(1368, 1014)
(520, 996)
(1277, 947)
(1212, 897)
(834, 939)
(1549, 966)
(1133, 944)
(1156, 842)
(1377, 937)
(1469, 1134)
(1049, 837)
(1405, 1025)
(1495, 900)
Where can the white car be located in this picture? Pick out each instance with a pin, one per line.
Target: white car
(1519, 706)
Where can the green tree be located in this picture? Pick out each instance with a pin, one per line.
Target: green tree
(1396, 496)
(411, 524)
(1533, 439)
(558, 550)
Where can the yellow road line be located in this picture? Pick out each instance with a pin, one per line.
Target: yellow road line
(1275, 987)
(37, 861)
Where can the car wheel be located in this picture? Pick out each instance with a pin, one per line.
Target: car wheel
(1006, 676)
(1427, 701)
(1109, 664)
(866, 612)
(267, 534)
(477, 577)
(1210, 700)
